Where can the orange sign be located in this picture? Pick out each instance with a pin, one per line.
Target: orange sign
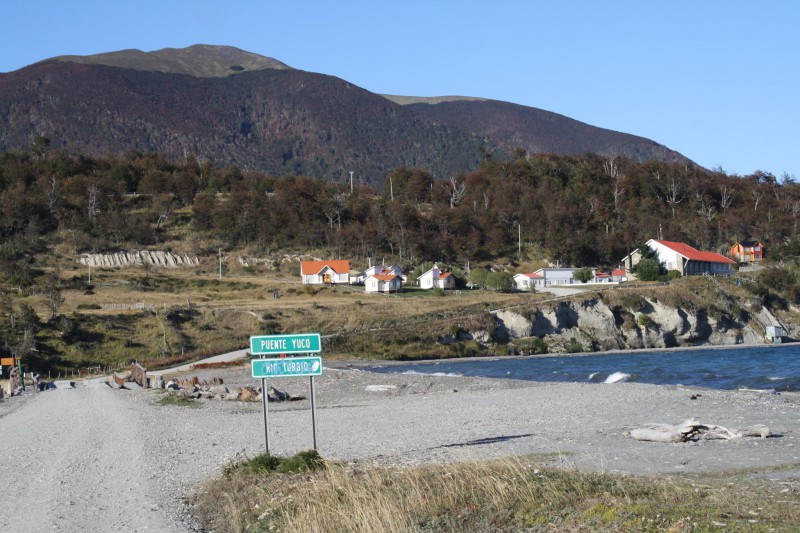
(7, 361)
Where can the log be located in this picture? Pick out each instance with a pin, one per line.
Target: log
(692, 430)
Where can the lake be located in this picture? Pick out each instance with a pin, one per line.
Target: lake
(767, 367)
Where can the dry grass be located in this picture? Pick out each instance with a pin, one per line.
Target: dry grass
(503, 495)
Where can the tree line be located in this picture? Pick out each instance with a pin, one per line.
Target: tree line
(581, 211)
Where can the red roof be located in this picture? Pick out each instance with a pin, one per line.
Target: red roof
(445, 274)
(619, 272)
(602, 275)
(384, 277)
(535, 276)
(340, 266)
(694, 254)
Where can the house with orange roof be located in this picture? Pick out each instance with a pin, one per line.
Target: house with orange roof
(330, 272)
(687, 260)
(385, 282)
(436, 278)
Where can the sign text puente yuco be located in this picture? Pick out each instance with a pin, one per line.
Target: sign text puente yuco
(282, 367)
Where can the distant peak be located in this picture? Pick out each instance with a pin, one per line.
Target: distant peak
(201, 60)
(405, 100)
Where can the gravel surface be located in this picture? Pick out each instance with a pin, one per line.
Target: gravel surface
(98, 459)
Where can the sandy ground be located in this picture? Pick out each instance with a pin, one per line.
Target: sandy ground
(98, 459)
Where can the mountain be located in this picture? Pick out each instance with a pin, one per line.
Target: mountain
(237, 108)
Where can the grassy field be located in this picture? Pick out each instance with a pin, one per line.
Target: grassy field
(161, 316)
(515, 494)
(164, 316)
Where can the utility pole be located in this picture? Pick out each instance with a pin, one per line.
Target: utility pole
(519, 238)
(391, 189)
(219, 251)
(351, 182)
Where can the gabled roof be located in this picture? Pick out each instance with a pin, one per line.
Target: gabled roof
(619, 272)
(445, 275)
(749, 244)
(340, 266)
(384, 277)
(530, 275)
(694, 254)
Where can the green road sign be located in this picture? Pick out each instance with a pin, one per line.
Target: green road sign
(285, 344)
(286, 367)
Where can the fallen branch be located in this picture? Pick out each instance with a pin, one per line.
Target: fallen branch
(693, 430)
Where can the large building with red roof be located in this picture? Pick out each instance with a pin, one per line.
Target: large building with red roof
(687, 260)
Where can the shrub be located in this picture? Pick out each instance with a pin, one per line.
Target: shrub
(645, 321)
(573, 345)
(583, 274)
(477, 276)
(499, 281)
(673, 274)
(648, 270)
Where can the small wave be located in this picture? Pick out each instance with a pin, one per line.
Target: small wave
(617, 377)
(443, 374)
(593, 375)
(776, 378)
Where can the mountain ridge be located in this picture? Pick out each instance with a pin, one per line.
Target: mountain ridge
(273, 118)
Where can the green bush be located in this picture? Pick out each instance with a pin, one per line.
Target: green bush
(573, 345)
(648, 270)
(673, 274)
(265, 464)
(645, 321)
(500, 281)
(583, 274)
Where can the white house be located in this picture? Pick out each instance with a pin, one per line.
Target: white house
(435, 278)
(555, 276)
(378, 269)
(387, 283)
(331, 272)
(527, 282)
(685, 259)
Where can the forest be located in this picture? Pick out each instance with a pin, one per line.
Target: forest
(580, 211)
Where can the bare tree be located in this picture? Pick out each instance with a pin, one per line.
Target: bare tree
(164, 209)
(456, 190)
(53, 195)
(757, 197)
(726, 198)
(610, 167)
(673, 196)
(619, 190)
(707, 211)
(93, 207)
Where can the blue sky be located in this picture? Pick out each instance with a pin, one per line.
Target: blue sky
(718, 81)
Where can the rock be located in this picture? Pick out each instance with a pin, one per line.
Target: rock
(171, 385)
(248, 394)
(219, 389)
(279, 395)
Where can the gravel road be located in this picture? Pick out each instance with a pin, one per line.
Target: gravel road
(98, 459)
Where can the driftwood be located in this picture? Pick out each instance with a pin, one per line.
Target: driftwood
(693, 430)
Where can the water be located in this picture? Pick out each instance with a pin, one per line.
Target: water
(775, 368)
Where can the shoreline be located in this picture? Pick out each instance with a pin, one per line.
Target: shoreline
(349, 363)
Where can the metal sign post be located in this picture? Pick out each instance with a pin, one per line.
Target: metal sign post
(286, 367)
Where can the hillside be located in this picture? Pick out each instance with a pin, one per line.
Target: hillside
(275, 119)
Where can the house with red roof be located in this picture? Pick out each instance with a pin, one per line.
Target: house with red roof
(385, 282)
(330, 272)
(436, 278)
(528, 281)
(687, 260)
